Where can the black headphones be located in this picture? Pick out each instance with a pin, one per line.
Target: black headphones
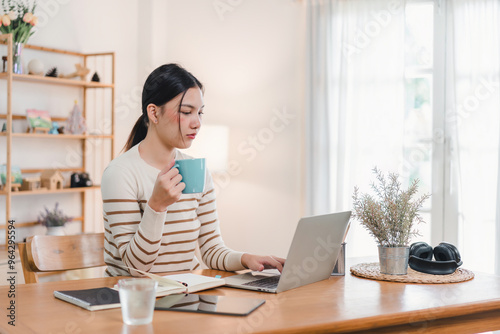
(446, 255)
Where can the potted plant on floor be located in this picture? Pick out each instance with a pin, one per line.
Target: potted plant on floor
(390, 216)
(54, 220)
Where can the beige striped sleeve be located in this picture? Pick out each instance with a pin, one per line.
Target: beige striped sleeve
(135, 232)
(214, 252)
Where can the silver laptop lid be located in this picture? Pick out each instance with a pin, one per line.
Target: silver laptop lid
(314, 250)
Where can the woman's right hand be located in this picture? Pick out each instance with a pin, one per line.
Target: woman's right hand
(167, 189)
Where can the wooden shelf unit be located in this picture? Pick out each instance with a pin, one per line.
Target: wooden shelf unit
(11, 77)
(56, 81)
(50, 136)
(47, 191)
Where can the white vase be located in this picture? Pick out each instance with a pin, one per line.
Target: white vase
(17, 61)
(55, 230)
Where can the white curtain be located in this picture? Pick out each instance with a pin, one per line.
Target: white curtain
(497, 225)
(355, 101)
(473, 110)
(319, 102)
(356, 114)
(497, 239)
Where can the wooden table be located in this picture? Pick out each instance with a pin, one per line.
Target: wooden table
(339, 304)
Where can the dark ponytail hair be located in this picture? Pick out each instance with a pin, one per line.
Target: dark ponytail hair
(161, 86)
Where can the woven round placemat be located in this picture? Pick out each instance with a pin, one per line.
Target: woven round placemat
(372, 271)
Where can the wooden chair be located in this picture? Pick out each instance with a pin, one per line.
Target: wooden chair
(48, 253)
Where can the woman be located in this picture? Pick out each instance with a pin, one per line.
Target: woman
(149, 224)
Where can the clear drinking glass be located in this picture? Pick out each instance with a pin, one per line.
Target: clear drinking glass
(137, 298)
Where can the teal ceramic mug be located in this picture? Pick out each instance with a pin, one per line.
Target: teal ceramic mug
(193, 174)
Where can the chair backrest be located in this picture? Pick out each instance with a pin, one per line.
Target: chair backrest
(48, 253)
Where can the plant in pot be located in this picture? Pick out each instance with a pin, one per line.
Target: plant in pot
(390, 216)
(54, 220)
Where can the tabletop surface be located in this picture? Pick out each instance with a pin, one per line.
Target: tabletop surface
(338, 304)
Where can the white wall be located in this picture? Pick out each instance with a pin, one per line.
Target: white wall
(98, 26)
(250, 57)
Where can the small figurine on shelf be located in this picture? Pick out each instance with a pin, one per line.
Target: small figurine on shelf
(76, 123)
(52, 179)
(35, 67)
(52, 72)
(80, 180)
(4, 127)
(55, 129)
(95, 78)
(81, 72)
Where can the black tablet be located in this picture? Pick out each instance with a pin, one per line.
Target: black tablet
(208, 304)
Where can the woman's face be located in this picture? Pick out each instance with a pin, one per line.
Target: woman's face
(178, 127)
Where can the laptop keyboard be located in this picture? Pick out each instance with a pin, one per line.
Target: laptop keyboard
(270, 282)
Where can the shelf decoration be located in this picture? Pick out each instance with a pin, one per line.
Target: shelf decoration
(95, 77)
(55, 128)
(52, 72)
(35, 67)
(15, 176)
(52, 179)
(80, 180)
(18, 19)
(76, 123)
(38, 120)
(81, 72)
(31, 183)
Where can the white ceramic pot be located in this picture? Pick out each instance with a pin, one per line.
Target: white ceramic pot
(56, 230)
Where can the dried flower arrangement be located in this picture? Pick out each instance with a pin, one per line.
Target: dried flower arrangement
(390, 216)
(53, 218)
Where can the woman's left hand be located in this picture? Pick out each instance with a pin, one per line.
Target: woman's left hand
(259, 263)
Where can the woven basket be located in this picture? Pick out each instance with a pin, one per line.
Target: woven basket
(372, 271)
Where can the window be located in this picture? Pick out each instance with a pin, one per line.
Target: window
(413, 87)
(452, 123)
(418, 108)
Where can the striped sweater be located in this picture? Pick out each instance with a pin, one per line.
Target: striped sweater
(138, 237)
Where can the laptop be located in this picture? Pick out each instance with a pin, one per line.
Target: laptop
(311, 257)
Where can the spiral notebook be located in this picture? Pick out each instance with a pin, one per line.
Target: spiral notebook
(105, 298)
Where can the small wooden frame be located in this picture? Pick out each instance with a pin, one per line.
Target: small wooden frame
(31, 183)
(38, 120)
(37, 130)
